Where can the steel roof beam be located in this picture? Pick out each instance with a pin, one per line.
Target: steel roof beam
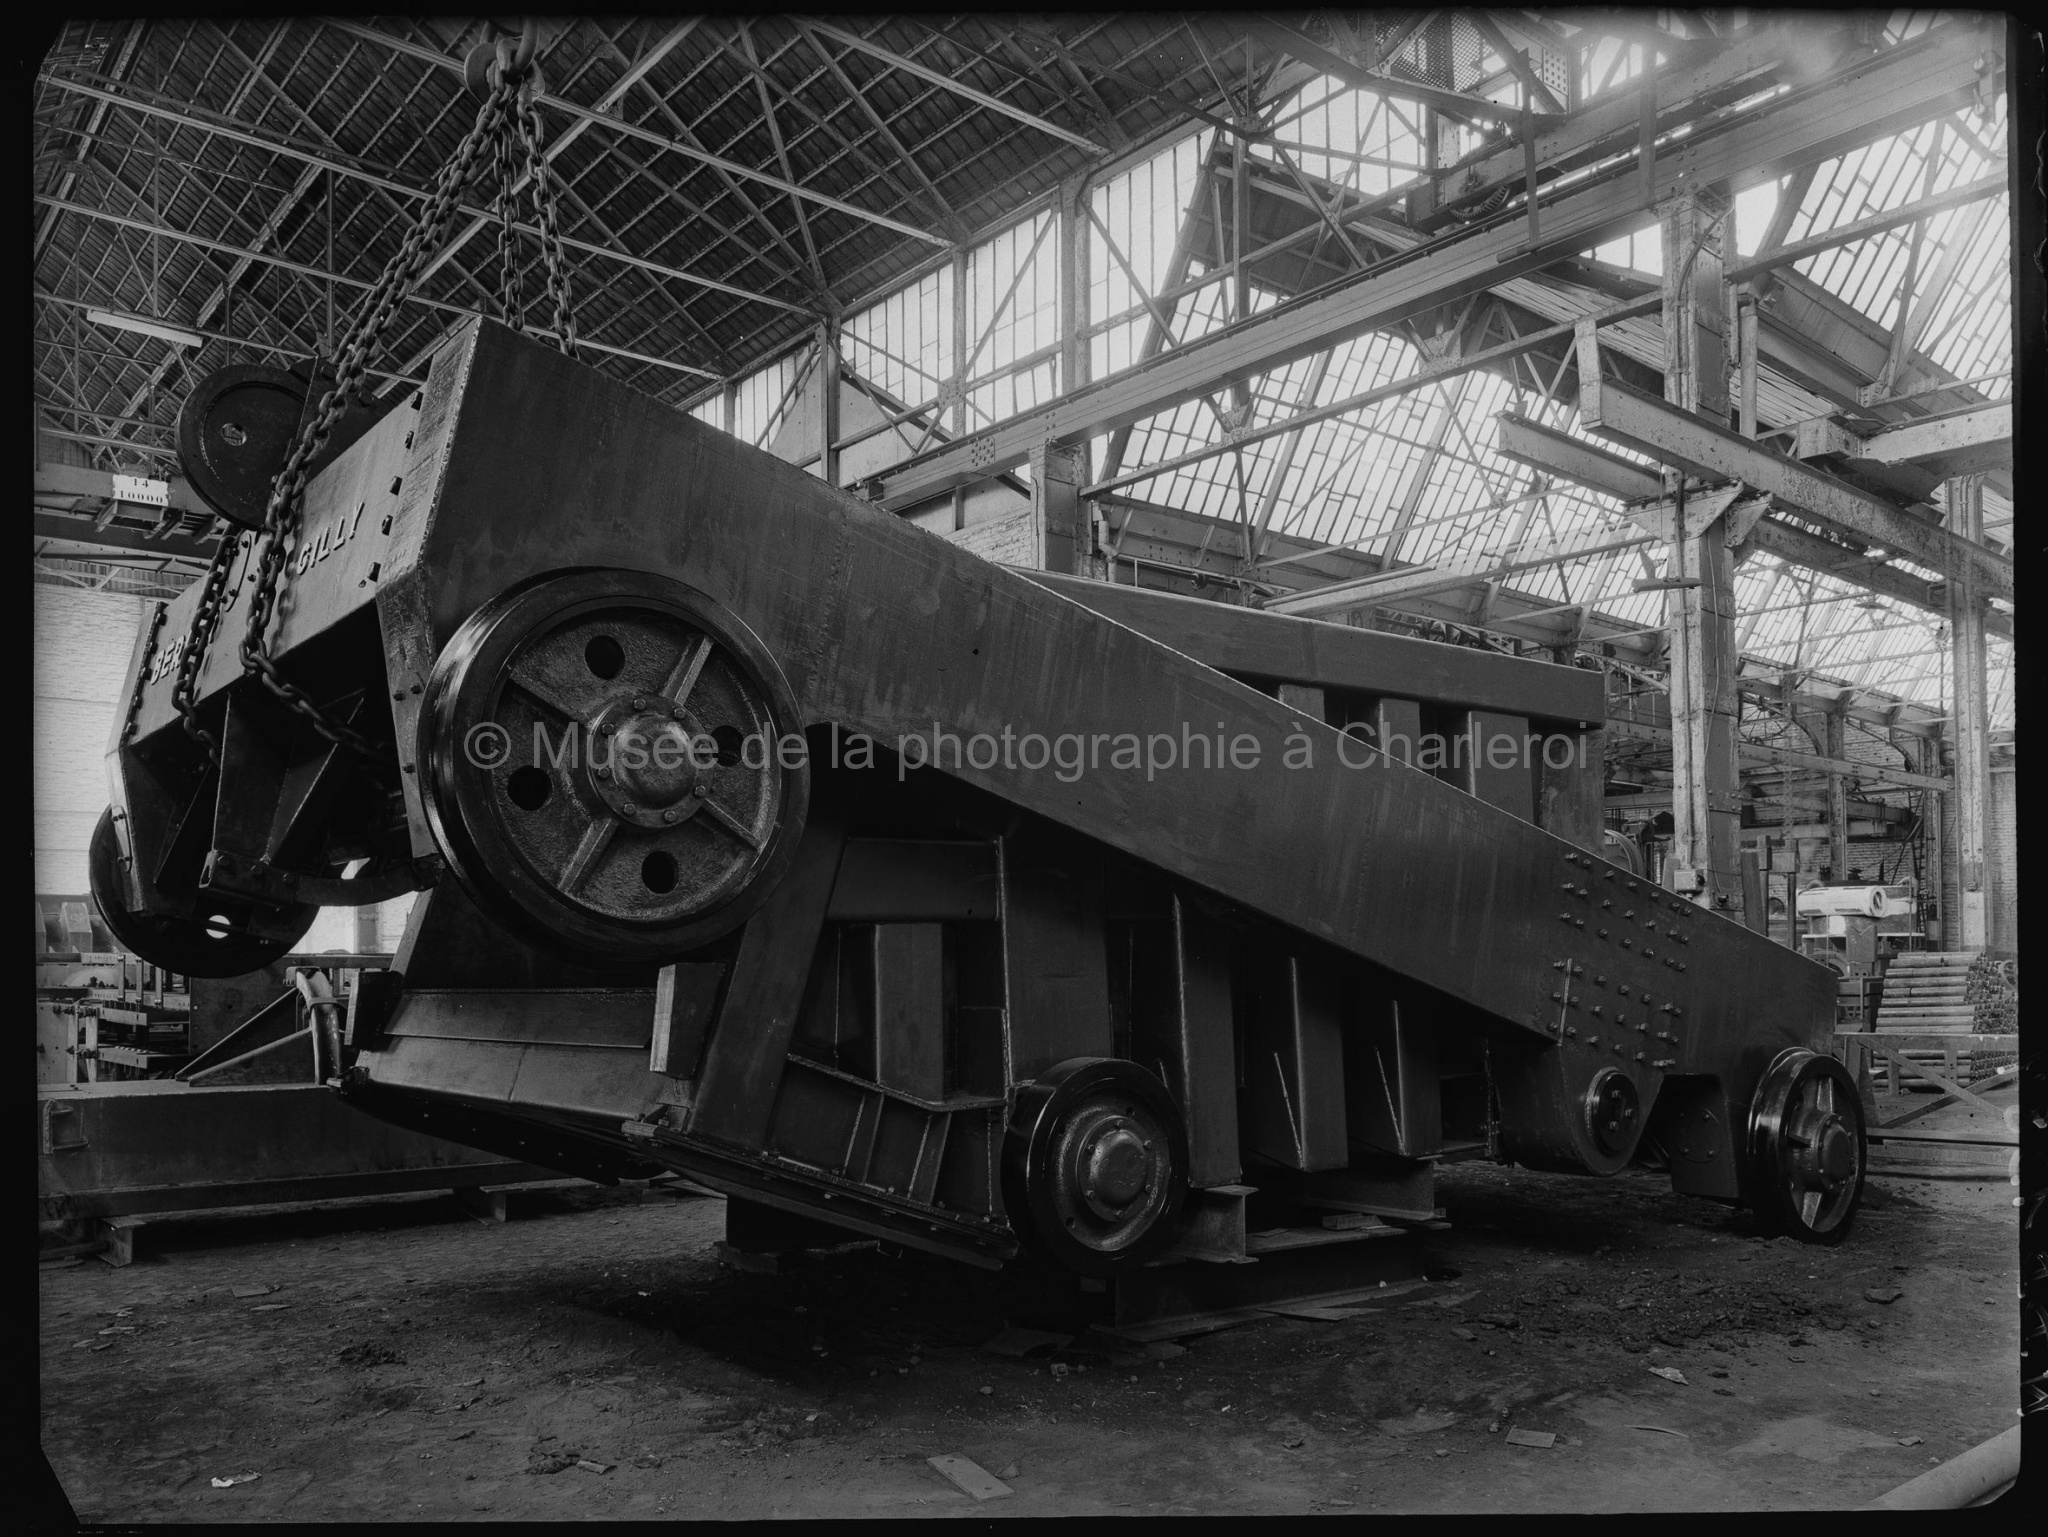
(95, 121)
(661, 141)
(1994, 185)
(321, 274)
(958, 88)
(479, 218)
(1529, 342)
(1964, 442)
(1309, 51)
(948, 215)
(1691, 443)
(213, 336)
(1804, 548)
(1545, 448)
(1892, 91)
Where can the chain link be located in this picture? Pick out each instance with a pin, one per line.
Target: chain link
(156, 624)
(548, 216)
(508, 112)
(510, 298)
(287, 495)
(205, 620)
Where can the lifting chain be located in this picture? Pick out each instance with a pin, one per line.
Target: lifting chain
(156, 624)
(205, 620)
(507, 121)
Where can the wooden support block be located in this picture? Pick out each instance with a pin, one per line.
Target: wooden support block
(487, 1206)
(1902, 1065)
(119, 1236)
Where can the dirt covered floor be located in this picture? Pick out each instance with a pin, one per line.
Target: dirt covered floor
(592, 1358)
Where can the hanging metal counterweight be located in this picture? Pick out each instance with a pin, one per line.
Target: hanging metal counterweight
(791, 846)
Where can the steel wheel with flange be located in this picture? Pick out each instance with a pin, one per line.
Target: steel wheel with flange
(1095, 1164)
(1806, 1148)
(604, 763)
(216, 946)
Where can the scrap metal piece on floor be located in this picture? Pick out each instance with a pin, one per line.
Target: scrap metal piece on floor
(1165, 1301)
(969, 1477)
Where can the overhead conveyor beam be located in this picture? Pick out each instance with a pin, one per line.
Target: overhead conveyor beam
(1809, 550)
(85, 533)
(1699, 447)
(1964, 442)
(1559, 453)
(1891, 92)
(1870, 774)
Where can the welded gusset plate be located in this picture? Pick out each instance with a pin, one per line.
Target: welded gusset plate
(605, 764)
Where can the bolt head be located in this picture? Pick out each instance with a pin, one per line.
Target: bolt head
(702, 791)
(627, 809)
(668, 816)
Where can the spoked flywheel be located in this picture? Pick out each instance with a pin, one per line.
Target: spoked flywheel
(603, 762)
(217, 945)
(1095, 1164)
(1806, 1148)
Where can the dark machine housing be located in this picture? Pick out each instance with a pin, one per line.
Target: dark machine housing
(757, 844)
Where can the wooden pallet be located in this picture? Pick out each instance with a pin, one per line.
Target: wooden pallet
(1907, 1052)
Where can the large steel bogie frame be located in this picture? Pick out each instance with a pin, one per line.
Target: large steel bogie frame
(1314, 962)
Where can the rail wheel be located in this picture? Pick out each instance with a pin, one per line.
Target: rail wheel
(602, 763)
(191, 947)
(1095, 1164)
(1806, 1148)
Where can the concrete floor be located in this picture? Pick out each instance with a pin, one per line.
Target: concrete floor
(411, 1363)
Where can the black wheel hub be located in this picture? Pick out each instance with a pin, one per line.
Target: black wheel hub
(1095, 1164)
(1612, 1108)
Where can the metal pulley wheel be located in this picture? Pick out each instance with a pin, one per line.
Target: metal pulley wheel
(234, 434)
(601, 762)
(1095, 1164)
(1806, 1148)
(191, 947)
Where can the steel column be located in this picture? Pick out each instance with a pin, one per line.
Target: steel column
(1970, 717)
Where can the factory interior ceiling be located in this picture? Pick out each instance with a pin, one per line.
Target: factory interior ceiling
(737, 192)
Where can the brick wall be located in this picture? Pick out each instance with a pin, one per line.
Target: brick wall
(1009, 540)
(82, 644)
